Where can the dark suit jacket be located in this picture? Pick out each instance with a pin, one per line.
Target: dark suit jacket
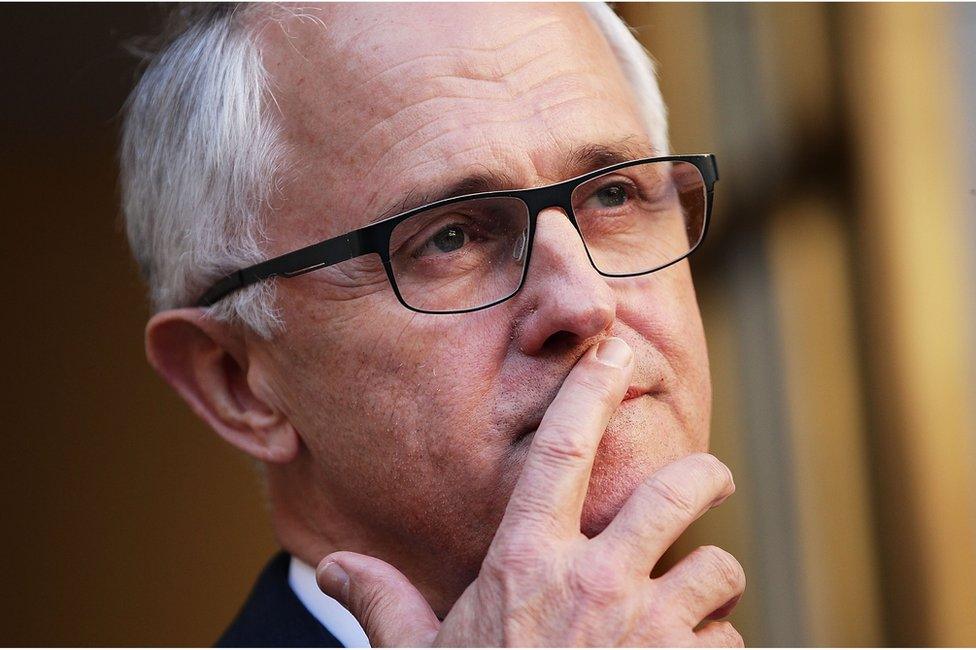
(273, 615)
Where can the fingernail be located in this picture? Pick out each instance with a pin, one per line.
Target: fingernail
(614, 352)
(334, 581)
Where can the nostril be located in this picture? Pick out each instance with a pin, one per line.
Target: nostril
(561, 341)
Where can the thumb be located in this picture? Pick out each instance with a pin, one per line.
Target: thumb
(389, 608)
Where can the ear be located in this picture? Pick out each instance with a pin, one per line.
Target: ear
(207, 362)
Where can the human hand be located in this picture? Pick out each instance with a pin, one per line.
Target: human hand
(545, 583)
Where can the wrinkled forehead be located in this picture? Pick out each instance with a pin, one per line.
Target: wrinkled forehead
(380, 102)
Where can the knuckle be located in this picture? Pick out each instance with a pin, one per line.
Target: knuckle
(529, 507)
(562, 444)
(373, 604)
(377, 609)
(515, 555)
(671, 495)
(658, 615)
(725, 568)
(599, 581)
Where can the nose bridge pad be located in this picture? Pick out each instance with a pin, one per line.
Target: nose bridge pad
(521, 244)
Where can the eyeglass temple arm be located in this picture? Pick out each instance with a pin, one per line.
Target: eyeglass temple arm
(325, 253)
(714, 165)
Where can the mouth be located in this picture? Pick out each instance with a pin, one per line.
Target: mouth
(633, 392)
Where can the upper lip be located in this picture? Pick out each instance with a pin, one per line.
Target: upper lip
(632, 393)
(645, 386)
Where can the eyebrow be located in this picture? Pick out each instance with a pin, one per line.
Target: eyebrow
(589, 157)
(580, 160)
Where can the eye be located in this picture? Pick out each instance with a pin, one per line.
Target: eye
(446, 240)
(611, 196)
(615, 193)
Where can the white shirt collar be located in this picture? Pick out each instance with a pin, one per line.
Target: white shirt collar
(333, 616)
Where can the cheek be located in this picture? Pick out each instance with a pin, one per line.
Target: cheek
(433, 392)
(450, 369)
(396, 392)
(663, 310)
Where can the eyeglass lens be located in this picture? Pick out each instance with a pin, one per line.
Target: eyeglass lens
(473, 253)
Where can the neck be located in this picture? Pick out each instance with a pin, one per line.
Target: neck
(310, 525)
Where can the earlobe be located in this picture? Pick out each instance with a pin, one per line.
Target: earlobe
(207, 362)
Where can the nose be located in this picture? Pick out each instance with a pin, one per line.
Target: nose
(565, 300)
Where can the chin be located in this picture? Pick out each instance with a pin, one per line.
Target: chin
(622, 463)
(607, 495)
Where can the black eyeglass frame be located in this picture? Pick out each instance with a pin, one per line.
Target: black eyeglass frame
(375, 238)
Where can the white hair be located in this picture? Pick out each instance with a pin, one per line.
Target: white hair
(201, 157)
(638, 68)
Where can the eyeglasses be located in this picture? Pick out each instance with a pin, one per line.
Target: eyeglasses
(470, 252)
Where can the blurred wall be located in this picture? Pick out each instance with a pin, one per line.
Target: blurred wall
(125, 520)
(837, 288)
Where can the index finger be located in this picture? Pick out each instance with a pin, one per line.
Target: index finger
(550, 492)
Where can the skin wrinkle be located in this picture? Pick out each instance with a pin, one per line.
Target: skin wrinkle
(352, 289)
(354, 271)
(505, 82)
(469, 73)
(403, 64)
(417, 172)
(369, 133)
(517, 40)
(458, 54)
(408, 423)
(468, 150)
(404, 330)
(531, 113)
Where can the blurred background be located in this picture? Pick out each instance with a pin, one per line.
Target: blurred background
(838, 289)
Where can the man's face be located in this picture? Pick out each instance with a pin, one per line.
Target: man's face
(416, 425)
